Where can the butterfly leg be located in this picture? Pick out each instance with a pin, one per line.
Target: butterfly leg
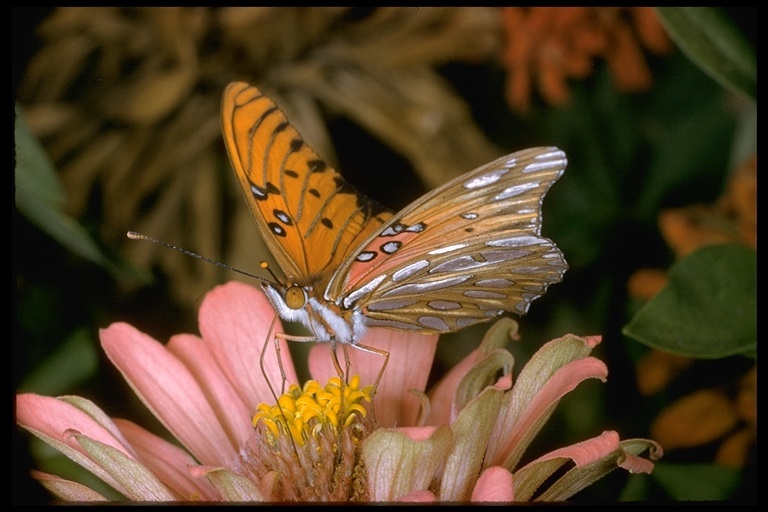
(385, 355)
(289, 337)
(276, 337)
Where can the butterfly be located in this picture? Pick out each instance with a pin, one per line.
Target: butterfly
(463, 253)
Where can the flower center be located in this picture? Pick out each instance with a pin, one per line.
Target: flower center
(304, 412)
(306, 446)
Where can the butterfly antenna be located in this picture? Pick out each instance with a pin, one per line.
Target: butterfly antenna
(133, 235)
(266, 267)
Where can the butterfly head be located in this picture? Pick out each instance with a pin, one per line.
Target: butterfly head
(295, 296)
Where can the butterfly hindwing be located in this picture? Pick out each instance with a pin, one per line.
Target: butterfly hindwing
(462, 253)
(307, 214)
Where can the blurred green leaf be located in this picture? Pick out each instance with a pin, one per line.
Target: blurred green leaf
(40, 198)
(636, 488)
(708, 307)
(72, 363)
(696, 482)
(711, 40)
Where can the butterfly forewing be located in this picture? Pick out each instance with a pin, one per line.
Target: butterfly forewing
(307, 214)
(461, 254)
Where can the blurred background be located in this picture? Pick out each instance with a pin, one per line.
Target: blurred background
(117, 128)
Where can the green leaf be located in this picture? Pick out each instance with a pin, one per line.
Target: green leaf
(636, 488)
(73, 362)
(696, 482)
(40, 198)
(708, 309)
(710, 40)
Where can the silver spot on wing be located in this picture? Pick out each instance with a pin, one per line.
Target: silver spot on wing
(460, 263)
(392, 324)
(484, 294)
(443, 305)
(504, 255)
(386, 305)
(515, 190)
(353, 297)
(416, 288)
(434, 322)
(485, 179)
(365, 256)
(498, 282)
(447, 248)
(391, 247)
(466, 321)
(553, 159)
(408, 270)
(516, 241)
(532, 270)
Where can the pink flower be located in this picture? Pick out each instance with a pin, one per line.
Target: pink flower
(461, 441)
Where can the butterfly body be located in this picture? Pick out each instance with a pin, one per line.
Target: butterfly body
(463, 253)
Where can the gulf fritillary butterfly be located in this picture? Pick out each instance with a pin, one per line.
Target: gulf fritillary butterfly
(463, 253)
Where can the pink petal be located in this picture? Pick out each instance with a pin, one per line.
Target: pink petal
(587, 451)
(592, 459)
(417, 433)
(530, 479)
(531, 404)
(232, 413)
(635, 464)
(55, 416)
(494, 484)
(445, 399)
(169, 390)
(417, 497)
(169, 462)
(441, 396)
(410, 361)
(235, 321)
(54, 421)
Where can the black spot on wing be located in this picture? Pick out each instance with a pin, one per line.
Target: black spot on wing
(276, 229)
(282, 217)
(317, 166)
(261, 193)
(282, 126)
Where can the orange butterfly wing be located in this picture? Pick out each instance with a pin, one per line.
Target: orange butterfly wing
(307, 214)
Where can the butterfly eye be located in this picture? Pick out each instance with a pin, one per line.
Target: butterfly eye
(295, 297)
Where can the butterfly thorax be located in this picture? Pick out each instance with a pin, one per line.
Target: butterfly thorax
(326, 321)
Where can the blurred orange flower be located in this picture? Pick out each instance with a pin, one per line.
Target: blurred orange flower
(707, 415)
(545, 46)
